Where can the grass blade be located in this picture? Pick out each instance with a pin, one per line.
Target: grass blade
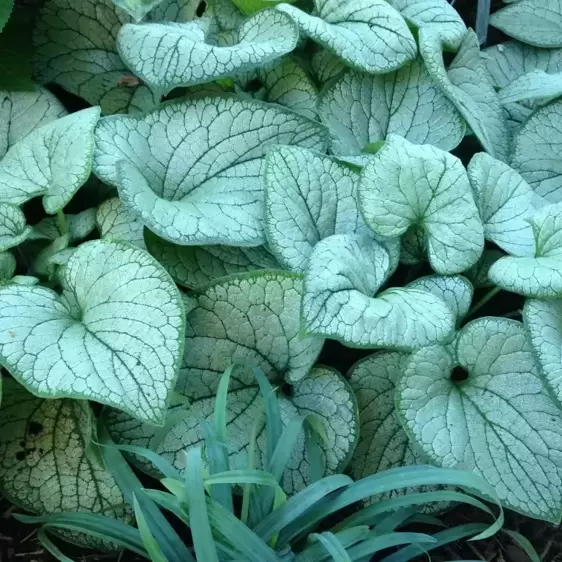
(316, 553)
(370, 546)
(196, 501)
(333, 546)
(150, 543)
(274, 424)
(394, 520)
(45, 541)
(524, 544)
(248, 489)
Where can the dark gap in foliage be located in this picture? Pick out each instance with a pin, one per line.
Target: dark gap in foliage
(468, 147)
(459, 374)
(201, 9)
(253, 86)
(70, 101)
(336, 355)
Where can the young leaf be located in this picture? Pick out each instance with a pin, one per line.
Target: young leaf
(500, 422)
(535, 153)
(116, 223)
(196, 266)
(369, 35)
(535, 22)
(215, 194)
(504, 200)
(53, 161)
(308, 196)
(45, 466)
(406, 185)
(13, 228)
(468, 87)
(145, 49)
(360, 109)
(343, 273)
(539, 276)
(78, 226)
(7, 265)
(23, 112)
(93, 342)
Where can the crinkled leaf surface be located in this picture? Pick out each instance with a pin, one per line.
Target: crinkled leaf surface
(324, 392)
(147, 49)
(250, 319)
(467, 85)
(22, 112)
(94, 341)
(53, 161)
(504, 200)
(434, 16)
(308, 196)
(116, 223)
(537, 22)
(360, 109)
(534, 85)
(536, 154)
(45, 465)
(455, 290)
(7, 265)
(192, 170)
(368, 35)
(344, 273)
(383, 444)
(539, 276)
(501, 422)
(13, 227)
(196, 266)
(326, 66)
(543, 320)
(406, 185)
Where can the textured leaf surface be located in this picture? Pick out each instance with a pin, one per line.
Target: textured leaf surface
(116, 223)
(539, 276)
(79, 226)
(467, 85)
(54, 161)
(191, 170)
(7, 265)
(45, 464)
(13, 228)
(537, 22)
(504, 200)
(22, 112)
(501, 422)
(326, 66)
(534, 85)
(360, 109)
(383, 444)
(308, 196)
(368, 35)
(196, 266)
(536, 154)
(249, 319)
(146, 49)
(406, 185)
(324, 392)
(344, 273)
(455, 290)
(93, 341)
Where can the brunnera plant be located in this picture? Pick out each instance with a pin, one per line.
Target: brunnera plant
(243, 185)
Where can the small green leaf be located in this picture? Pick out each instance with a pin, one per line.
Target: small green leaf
(408, 185)
(371, 37)
(79, 226)
(53, 161)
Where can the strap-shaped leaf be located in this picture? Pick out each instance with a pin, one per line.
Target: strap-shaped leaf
(543, 319)
(192, 170)
(468, 87)
(249, 319)
(146, 48)
(94, 341)
(308, 196)
(116, 223)
(536, 154)
(406, 185)
(344, 273)
(434, 16)
(360, 109)
(196, 266)
(537, 22)
(383, 444)
(46, 465)
(23, 112)
(504, 200)
(13, 227)
(53, 161)
(368, 35)
(501, 422)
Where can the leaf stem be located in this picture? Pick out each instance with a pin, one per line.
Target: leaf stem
(484, 300)
(61, 222)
